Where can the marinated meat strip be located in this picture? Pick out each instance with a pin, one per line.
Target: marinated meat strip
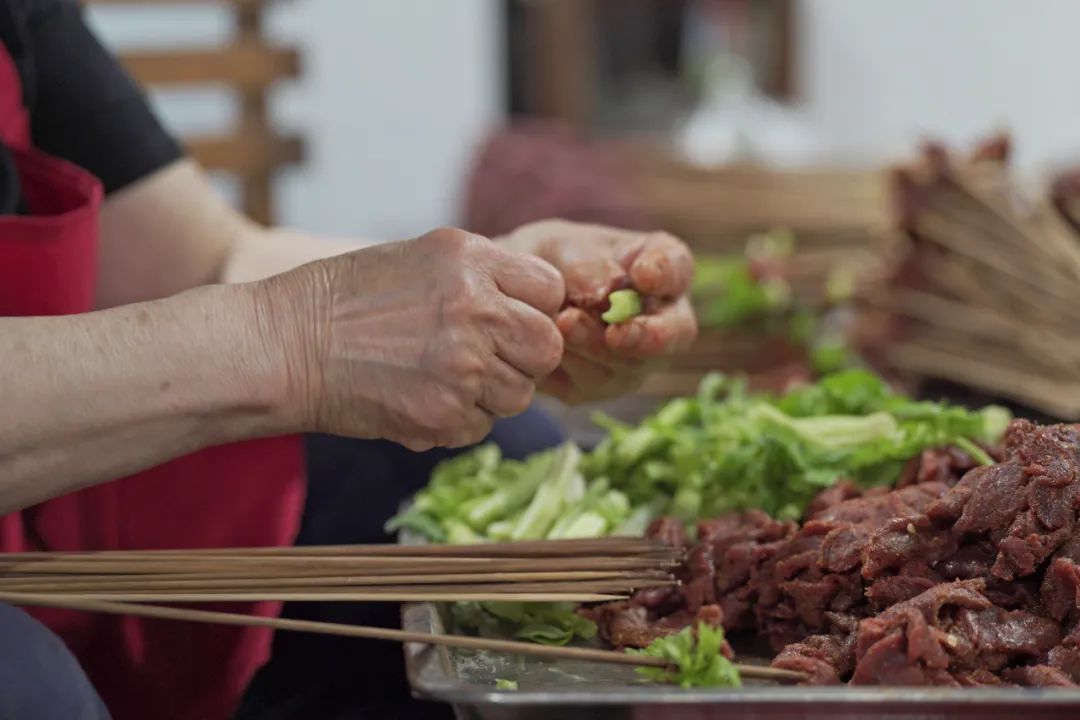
(823, 566)
(736, 546)
(943, 465)
(1066, 656)
(832, 496)
(1038, 676)
(826, 659)
(952, 627)
(1060, 590)
(1027, 504)
(624, 624)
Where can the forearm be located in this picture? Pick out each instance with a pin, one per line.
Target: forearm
(171, 231)
(258, 253)
(94, 397)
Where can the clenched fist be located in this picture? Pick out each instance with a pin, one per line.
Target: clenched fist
(423, 342)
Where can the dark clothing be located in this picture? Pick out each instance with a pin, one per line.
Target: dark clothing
(83, 106)
(39, 678)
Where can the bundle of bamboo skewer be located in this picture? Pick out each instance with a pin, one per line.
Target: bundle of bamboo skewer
(988, 292)
(564, 570)
(125, 582)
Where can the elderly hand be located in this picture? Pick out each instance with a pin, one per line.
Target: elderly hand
(423, 342)
(602, 361)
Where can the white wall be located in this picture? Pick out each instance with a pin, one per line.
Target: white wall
(878, 74)
(394, 95)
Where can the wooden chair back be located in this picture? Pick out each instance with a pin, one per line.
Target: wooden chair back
(248, 64)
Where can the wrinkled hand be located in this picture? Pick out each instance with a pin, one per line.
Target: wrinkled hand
(600, 360)
(423, 342)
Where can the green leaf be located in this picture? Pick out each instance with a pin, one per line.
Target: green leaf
(694, 658)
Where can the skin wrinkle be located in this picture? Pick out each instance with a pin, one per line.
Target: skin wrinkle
(128, 423)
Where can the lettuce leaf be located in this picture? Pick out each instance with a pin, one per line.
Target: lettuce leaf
(543, 623)
(694, 659)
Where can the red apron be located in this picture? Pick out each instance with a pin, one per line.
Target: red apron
(238, 495)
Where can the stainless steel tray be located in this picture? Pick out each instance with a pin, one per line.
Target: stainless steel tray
(569, 690)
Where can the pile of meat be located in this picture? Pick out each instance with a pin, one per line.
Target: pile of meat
(960, 576)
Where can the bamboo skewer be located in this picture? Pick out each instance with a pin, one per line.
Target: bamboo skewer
(311, 595)
(371, 633)
(180, 581)
(326, 565)
(610, 547)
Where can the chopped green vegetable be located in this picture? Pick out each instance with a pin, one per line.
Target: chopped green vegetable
(556, 494)
(694, 659)
(727, 450)
(501, 684)
(727, 294)
(625, 305)
(722, 450)
(543, 623)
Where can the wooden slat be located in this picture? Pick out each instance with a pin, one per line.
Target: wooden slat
(257, 191)
(247, 65)
(245, 154)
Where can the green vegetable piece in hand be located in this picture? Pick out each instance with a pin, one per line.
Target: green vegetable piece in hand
(694, 659)
(625, 305)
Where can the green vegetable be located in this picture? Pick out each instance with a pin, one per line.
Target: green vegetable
(479, 496)
(556, 494)
(625, 305)
(481, 512)
(544, 623)
(727, 450)
(501, 684)
(829, 355)
(726, 293)
(458, 533)
(694, 658)
(722, 450)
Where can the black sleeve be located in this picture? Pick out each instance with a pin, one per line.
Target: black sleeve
(84, 107)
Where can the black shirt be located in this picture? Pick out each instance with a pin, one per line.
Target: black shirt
(83, 105)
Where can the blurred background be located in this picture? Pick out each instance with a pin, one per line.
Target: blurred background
(784, 139)
(392, 96)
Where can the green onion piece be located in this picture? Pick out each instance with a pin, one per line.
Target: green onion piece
(625, 305)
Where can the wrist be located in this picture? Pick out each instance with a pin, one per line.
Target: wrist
(283, 314)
